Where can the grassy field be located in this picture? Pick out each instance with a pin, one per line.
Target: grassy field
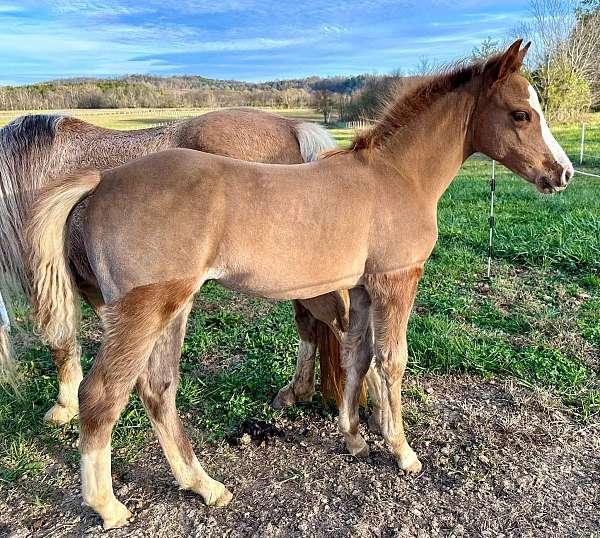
(536, 321)
(135, 118)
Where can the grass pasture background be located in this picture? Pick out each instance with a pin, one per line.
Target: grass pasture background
(536, 322)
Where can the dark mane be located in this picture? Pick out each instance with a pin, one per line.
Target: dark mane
(402, 109)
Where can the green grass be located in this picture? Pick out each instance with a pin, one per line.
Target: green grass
(537, 321)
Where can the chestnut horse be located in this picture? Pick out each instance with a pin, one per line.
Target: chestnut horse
(363, 219)
(36, 148)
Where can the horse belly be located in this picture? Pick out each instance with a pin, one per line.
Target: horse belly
(287, 273)
(282, 287)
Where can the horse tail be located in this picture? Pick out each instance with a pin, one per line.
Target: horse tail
(54, 293)
(330, 361)
(26, 149)
(313, 140)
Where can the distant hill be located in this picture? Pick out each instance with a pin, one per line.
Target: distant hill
(176, 91)
(343, 97)
(338, 84)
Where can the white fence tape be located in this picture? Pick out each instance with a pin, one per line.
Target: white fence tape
(4, 319)
(586, 173)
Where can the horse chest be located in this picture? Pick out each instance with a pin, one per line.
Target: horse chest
(405, 239)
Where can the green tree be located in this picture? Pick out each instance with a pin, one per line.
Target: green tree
(564, 93)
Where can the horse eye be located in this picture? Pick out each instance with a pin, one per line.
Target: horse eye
(520, 116)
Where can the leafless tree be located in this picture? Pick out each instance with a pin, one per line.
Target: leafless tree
(488, 48)
(565, 33)
(426, 66)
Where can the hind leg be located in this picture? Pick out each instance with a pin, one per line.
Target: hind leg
(157, 388)
(302, 386)
(132, 326)
(67, 361)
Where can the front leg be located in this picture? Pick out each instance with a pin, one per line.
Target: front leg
(357, 352)
(375, 385)
(392, 296)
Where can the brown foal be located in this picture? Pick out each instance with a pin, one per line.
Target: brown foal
(363, 219)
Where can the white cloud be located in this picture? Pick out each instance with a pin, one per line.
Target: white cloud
(10, 8)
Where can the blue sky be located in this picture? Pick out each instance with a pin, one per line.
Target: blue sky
(241, 39)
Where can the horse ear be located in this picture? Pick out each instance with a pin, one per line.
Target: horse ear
(511, 61)
(523, 52)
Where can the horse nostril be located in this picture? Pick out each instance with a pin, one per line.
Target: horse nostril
(566, 175)
(569, 173)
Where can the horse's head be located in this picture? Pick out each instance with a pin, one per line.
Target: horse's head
(509, 125)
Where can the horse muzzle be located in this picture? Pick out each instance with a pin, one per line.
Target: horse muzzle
(548, 185)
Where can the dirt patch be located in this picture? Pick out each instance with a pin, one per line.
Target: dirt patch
(499, 460)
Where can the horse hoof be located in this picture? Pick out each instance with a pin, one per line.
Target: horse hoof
(119, 519)
(60, 414)
(222, 500)
(358, 448)
(364, 453)
(285, 398)
(412, 466)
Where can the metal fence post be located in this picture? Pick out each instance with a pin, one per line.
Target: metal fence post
(582, 143)
(491, 220)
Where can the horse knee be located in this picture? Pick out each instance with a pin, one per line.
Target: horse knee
(157, 394)
(99, 406)
(392, 366)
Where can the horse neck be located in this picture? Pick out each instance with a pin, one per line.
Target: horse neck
(432, 146)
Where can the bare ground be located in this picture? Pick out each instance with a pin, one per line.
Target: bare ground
(499, 460)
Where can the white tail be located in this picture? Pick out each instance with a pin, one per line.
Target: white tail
(54, 293)
(313, 140)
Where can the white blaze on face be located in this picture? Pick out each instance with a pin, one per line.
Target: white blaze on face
(554, 147)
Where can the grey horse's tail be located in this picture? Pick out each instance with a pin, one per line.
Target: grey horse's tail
(313, 140)
(26, 146)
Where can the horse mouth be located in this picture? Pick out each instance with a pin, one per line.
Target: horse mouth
(545, 186)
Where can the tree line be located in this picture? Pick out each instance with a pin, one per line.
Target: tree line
(125, 93)
(140, 91)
